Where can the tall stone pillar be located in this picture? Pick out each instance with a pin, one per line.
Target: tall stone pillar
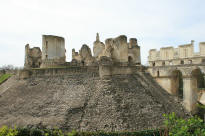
(189, 93)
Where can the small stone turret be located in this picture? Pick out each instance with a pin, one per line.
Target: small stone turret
(97, 37)
(98, 47)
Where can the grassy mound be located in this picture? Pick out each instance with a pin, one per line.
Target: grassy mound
(4, 77)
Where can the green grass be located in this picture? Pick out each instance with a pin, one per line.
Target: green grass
(4, 77)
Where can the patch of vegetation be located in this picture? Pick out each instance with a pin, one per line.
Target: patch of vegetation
(193, 126)
(4, 77)
(174, 126)
(5, 131)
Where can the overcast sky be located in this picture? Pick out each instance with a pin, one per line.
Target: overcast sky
(155, 23)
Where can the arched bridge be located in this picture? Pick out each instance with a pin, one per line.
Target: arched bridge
(185, 81)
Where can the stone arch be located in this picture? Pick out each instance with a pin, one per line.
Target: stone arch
(203, 61)
(177, 83)
(182, 62)
(83, 63)
(163, 63)
(190, 61)
(197, 79)
(158, 74)
(130, 59)
(196, 84)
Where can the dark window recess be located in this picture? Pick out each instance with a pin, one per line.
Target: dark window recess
(158, 73)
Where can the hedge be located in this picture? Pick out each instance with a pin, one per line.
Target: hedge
(5, 131)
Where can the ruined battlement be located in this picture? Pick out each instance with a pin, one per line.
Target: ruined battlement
(184, 54)
(122, 55)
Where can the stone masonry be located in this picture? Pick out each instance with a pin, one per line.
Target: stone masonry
(180, 71)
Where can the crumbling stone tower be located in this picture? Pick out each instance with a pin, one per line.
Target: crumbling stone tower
(53, 51)
(32, 57)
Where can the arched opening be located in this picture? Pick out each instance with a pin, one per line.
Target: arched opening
(190, 61)
(163, 63)
(181, 62)
(130, 59)
(33, 65)
(153, 64)
(203, 61)
(158, 73)
(197, 85)
(177, 83)
(83, 62)
(197, 79)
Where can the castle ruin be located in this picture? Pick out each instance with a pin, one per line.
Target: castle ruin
(120, 56)
(109, 90)
(180, 71)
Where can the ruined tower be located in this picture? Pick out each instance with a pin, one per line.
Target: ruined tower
(53, 51)
(32, 57)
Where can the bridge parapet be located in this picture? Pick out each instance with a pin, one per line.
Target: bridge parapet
(182, 55)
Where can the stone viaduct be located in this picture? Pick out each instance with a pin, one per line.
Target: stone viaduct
(180, 71)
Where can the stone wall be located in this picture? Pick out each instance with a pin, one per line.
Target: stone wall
(134, 52)
(118, 49)
(53, 50)
(84, 56)
(108, 68)
(184, 54)
(32, 57)
(202, 48)
(28, 73)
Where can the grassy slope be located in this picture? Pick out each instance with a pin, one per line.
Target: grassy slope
(4, 77)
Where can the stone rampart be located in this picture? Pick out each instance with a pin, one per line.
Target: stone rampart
(27, 73)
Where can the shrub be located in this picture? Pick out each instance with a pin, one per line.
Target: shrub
(193, 126)
(5, 131)
(23, 132)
